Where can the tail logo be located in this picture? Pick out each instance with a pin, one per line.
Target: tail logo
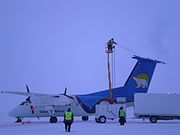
(141, 80)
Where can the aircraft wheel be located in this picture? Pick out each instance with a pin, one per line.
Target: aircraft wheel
(85, 118)
(18, 120)
(53, 120)
(97, 120)
(102, 119)
(153, 119)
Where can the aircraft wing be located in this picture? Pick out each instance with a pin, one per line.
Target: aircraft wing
(27, 94)
(44, 99)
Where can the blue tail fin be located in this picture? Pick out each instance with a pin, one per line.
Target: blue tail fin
(138, 81)
(140, 77)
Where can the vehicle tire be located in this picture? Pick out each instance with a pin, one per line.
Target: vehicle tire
(153, 119)
(97, 120)
(85, 118)
(102, 119)
(53, 120)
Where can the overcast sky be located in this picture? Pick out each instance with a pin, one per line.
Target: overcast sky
(53, 44)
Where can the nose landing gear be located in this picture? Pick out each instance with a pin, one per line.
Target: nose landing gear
(19, 120)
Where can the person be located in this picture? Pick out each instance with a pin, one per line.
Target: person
(110, 45)
(122, 116)
(68, 119)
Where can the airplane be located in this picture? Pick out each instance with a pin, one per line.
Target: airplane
(53, 106)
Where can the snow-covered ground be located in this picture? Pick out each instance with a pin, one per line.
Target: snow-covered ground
(79, 127)
(133, 126)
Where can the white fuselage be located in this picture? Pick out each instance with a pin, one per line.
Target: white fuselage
(24, 111)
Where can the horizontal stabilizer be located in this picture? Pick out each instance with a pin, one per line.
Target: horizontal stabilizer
(147, 59)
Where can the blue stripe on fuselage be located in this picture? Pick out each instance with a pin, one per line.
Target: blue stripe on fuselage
(89, 101)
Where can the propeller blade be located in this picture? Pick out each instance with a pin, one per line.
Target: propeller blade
(27, 88)
(65, 90)
(32, 109)
(69, 97)
(56, 96)
(28, 100)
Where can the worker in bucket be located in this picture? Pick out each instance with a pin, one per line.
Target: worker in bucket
(122, 116)
(110, 45)
(68, 120)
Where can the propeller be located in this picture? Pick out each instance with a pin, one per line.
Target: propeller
(27, 88)
(65, 91)
(29, 99)
(64, 94)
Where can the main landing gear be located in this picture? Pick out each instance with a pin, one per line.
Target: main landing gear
(85, 118)
(53, 119)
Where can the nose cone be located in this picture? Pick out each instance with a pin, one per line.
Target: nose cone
(16, 112)
(12, 113)
(21, 111)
